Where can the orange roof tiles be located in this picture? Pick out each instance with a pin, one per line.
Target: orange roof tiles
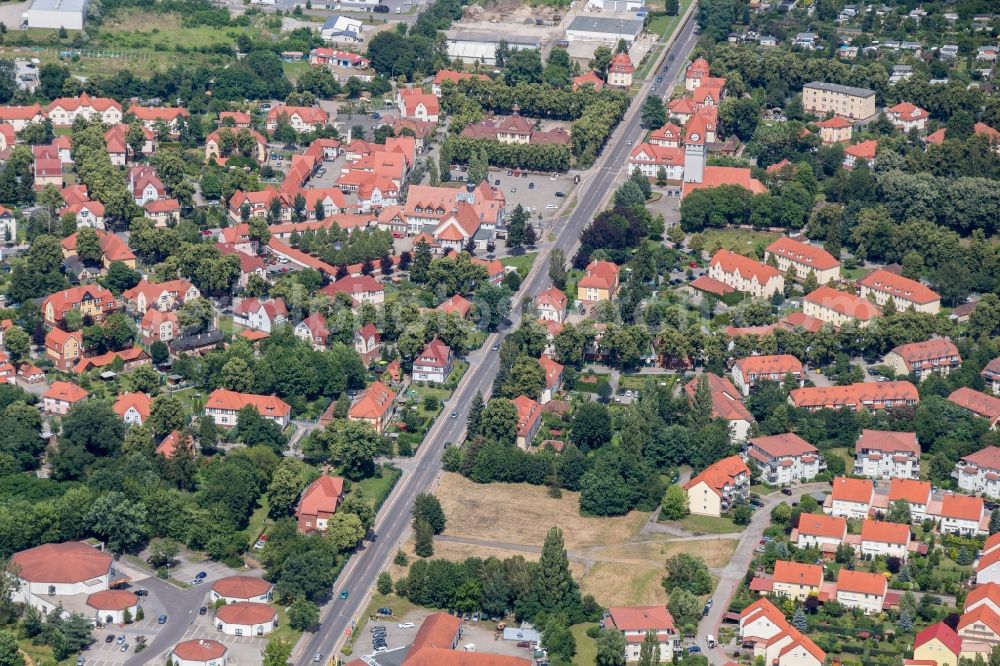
(68, 562)
(138, 401)
(714, 176)
(982, 615)
(112, 600)
(984, 405)
(910, 490)
(769, 364)
(803, 253)
(861, 582)
(204, 649)
(600, 275)
(841, 302)
(941, 632)
(961, 507)
(65, 392)
(241, 587)
(246, 613)
(373, 403)
(883, 532)
(862, 151)
(730, 262)
(796, 573)
(322, 496)
(822, 525)
(720, 474)
(872, 395)
(859, 491)
(641, 618)
(787, 444)
(899, 287)
(888, 442)
(266, 405)
(726, 402)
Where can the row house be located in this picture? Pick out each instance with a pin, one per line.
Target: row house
(599, 282)
(839, 307)
(259, 315)
(131, 358)
(223, 407)
(882, 285)
(750, 371)
(635, 622)
(64, 111)
(803, 259)
(979, 472)
(774, 640)
(882, 454)
(150, 116)
(963, 515)
(917, 494)
(726, 404)
(862, 590)
(906, 116)
(163, 296)
(551, 305)
(62, 397)
(374, 407)
(745, 275)
(923, 358)
(784, 459)
(63, 348)
(980, 625)
(20, 117)
(851, 498)
(302, 119)
(159, 326)
(795, 580)
(720, 484)
(313, 330)
(93, 301)
(529, 420)
(433, 363)
(871, 396)
(822, 531)
(987, 576)
(886, 539)
(991, 375)
(980, 404)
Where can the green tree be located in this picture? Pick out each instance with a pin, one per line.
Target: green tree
(499, 422)
(590, 428)
(303, 615)
(384, 583)
(475, 417)
(166, 414)
(654, 115)
(610, 648)
(899, 512)
(516, 227)
(17, 343)
(649, 651)
(675, 503)
(685, 608)
(601, 61)
(688, 572)
(552, 588)
(119, 521)
(9, 654)
(283, 490)
(994, 521)
(423, 539)
(558, 639)
(557, 268)
(277, 652)
(427, 507)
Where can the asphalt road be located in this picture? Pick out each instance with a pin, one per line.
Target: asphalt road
(358, 577)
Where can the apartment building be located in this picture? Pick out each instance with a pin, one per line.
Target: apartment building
(991, 375)
(882, 285)
(713, 490)
(846, 101)
(223, 406)
(977, 403)
(979, 472)
(938, 355)
(872, 396)
(804, 259)
(882, 454)
(750, 371)
(839, 307)
(745, 275)
(726, 404)
(636, 621)
(784, 459)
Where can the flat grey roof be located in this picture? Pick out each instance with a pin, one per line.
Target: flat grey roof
(490, 37)
(74, 6)
(835, 87)
(614, 26)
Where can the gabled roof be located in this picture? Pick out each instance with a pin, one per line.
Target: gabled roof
(715, 176)
(941, 632)
(172, 442)
(138, 401)
(796, 573)
(552, 370)
(803, 253)
(854, 395)
(887, 442)
(861, 582)
(961, 507)
(769, 364)
(822, 525)
(266, 405)
(435, 354)
(983, 615)
(859, 491)
(720, 474)
(65, 392)
(641, 618)
(322, 495)
(883, 532)
(841, 302)
(373, 403)
(899, 287)
(910, 490)
(726, 402)
(926, 350)
(600, 274)
(983, 591)
(979, 403)
(787, 444)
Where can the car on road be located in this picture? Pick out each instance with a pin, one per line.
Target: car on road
(629, 142)
(142, 593)
(560, 195)
(161, 620)
(454, 414)
(659, 79)
(692, 649)
(318, 657)
(513, 190)
(80, 661)
(343, 595)
(197, 581)
(496, 346)
(380, 649)
(110, 638)
(786, 491)
(406, 625)
(497, 182)
(202, 610)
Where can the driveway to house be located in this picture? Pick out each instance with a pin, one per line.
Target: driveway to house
(732, 574)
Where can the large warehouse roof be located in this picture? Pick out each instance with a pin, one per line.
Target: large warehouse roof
(58, 5)
(610, 26)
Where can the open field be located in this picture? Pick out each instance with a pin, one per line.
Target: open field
(743, 241)
(708, 524)
(160, 31)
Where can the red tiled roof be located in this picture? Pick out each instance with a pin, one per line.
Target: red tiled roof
(862, 151)
(168, 447)
(138, 400)
(841, 302)
(322, 495)
(859, 491)
(112, 600)
(899, 287)
(976, 402)
(203, 649)
(861, 582)
(241, 587)
(528, 413)
(887, 442)
(837, 122)
(374, 402)
(883, 532)
(600, 275)
(719, 474)
(798, 574)
(164, 113)
(65, 392)
(770, 364)
(927, 350)
(854, 395)
(726, 403)
(68, 562)
(266, 405)
(942, 632)
(714, 176)
(910, 490)
(983, 615)
(962, 507)
(822, 525)
(984, 591)
(642, 618)
(907, 111)
(803, 253)
(711, 285)
(245, 613)
(787, 444)
(802, 320)
(730, 262)
(988, 457)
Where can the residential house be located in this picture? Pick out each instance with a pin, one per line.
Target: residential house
(151, 116)
(987, 590)
(433, 363)
(620, 71)
(872, 396)
(91, 300)
(979, 472)
(882, 538)
(923, 358)
(790, 647)
(978, 403)
(804, 259)
(163, 212)
(818, 530)
(835, 130)
(726, 404)
(588, 78)
(991, 375)
(414, 104)
(847, 101)
(882, 454)
(599, 283)
(20, 117)
(343, 30)
(553, 378)
(795, 580)
(145, 184)
(529, 420)
(133, 408)
(374, 407)
(860, 154)
(61, 397)
(851, 498)
(223, 407)
(157, 325)
(713, 490)
(939, 644)
(906, 116)
(87, 214)
(962, 515)
(130, 358)
(116, 140)
(360, 288)
(551, 305)
(745, 275)
(64, 111)
(47, 166)
(455, 304)
(980, 625)
(301, 118)
(917, 494)
(313, 329)
(839, 307)
(62, 348)
(318, 503)
(668, 136)
(164, 296)
(8, 225)
(174, 442)
(260, 315)
(761, 621)
(696, 72)
(784, 459)
(860, 589)
(368, 343)
(750, 371)
(219, 147)
(881, 285)
(637, 621)
(650, 158)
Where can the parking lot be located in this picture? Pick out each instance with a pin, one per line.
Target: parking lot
(540, 200)
(104, 653)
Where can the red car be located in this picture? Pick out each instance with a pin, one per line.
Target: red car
(693, 264)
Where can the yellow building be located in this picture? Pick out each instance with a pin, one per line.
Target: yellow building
(804, 258)
(938, 643)
(846, 101)
(796, 581)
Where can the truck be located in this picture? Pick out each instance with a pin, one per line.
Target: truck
(710, 639)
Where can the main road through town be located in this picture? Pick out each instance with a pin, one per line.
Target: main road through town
(360, 573)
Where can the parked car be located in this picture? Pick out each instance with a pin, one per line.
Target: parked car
(454, 414)
(560, 195)
(384, 611)
(406, 625)
(513, 189)
(201, 574)
(524, 644)
(786, 491)
(110, 638)
(531, 185)
(692, 649)
(202, 610)
(124, 647)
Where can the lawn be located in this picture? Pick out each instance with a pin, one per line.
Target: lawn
(293, 70)
(160, 32)
(586, 647)
(377, 488)
(258, 520)
(743, 241)
(284, 630)
(708, 524)
(854, 273)
(637, 382)
(521, 262)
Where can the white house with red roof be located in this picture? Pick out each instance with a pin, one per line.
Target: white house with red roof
(415, 104)
(860, 153)
(20, 117)
(553, 377)
(979, 472)
(145, 184)
(260, 315)
(360, 288)
(727, 404)
(223, 407)
(156, 325)
(163, 296)
(200, 652)
(150, 116)
(696, 72)
(870, 395)
(301, 118)
(884, 538)
(374, 406)
(717, 486)
(69, 569)
(906, 116)
(433, 363)
(319, 502)
(818, 530)
(313, 330)
(987, 576)
(133, 408)
(551, 305)
(863, 590)
(64, 111)
(368, 343)
(637, 621)
(924, 358)
(599, 282)
(804, 259)
(991, 375)
(246, 619)
(62, 397)
(784, 459)
(980, 625)
(8, 225)
(881, 285)
(745, 275)
(650, 158)
(917, 494)
(835, 130)
(963, 515)
(529, 420)
(883, 454)
(851, 498)
(750, 371)
(233, 589)
(620, 71)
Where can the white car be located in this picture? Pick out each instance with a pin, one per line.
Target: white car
(551, 207)
(406, 625)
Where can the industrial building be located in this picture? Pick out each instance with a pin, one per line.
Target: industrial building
(604, 29)
(55, 14)
(474, 46)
